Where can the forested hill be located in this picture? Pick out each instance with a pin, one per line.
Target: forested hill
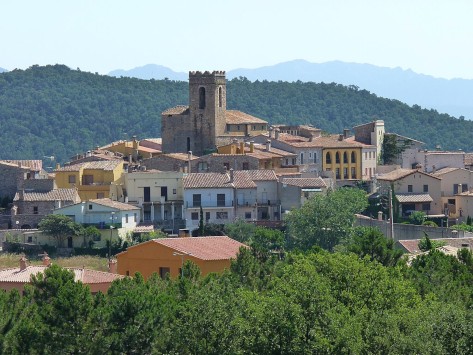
(54, 110)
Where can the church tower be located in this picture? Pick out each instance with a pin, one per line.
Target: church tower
(207, 106)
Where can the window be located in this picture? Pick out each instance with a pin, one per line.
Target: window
(201, 98)
(90, 207)
(164, 272)
(262, 128)
(345, 173)
(222, 215)
(426, 188)
(227, 166)
(221, 200)
(202, 166)
(247, 215)
(100, 195)
(188, 143)
(238, 128)
(254, 128)
(302, 158)
(409, 188)
(337, 173)
(30, 239)
(72, 179)
(353, 173)
(457, 189)
(345, 158)
(196, 200)
(207, 216)
(195, 216)
(126, 218)
(315, 158)
(174, 191)
(87, 179)
(293, 161)
(220, 97)
(328, 158)
(337, 158)
(134, 217)
(146, 194)
(246, 166)
(353, 157)
(426, 206)
(287, 162)
(35, 209)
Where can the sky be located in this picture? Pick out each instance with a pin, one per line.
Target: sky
(427, 36)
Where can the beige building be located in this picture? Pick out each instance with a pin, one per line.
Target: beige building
(454, 182)
(414, 190)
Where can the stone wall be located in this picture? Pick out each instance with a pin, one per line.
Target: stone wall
(10, 178)
(26, 214)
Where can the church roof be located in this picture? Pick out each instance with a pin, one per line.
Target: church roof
(238, 117)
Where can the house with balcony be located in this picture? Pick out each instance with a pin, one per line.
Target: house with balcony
(454, 181)
(295, 191)
(413, 190)
(213, 193)
(93, 179)
(159, 195)
(114, 219)
(256, 193)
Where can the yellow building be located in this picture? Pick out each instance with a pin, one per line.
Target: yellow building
(167, 255)
(92, 179)
(342, 157)
(132, 148)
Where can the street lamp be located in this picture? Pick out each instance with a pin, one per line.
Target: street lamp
(112, 218)
(182, 260)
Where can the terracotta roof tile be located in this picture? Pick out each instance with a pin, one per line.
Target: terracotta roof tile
(468, 159)
(443, 171)
(238, 117)
(176, 110)
(402, 173)
(35, 165)
(86, 276)
(331, 141)
(258, 175)
(413, 198)
(207, 180)
(305, 182)
(204, 248)
(114, 204)
(92, 165)
(53, 195)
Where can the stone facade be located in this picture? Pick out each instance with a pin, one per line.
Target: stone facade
(220, 163)
(11, 177)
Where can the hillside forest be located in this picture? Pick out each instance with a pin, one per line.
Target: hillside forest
(57, 111)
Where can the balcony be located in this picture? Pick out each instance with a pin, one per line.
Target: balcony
(210, 204)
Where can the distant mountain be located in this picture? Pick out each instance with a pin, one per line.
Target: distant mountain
(150, 71)
(446, 96)
(2, 70)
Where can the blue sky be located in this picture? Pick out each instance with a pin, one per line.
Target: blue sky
(430, 37)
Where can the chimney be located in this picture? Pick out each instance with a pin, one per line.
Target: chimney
(276, 133)
(23, 261)
(268, 145)
(231, 176)
(46, 260)
(380, 215)
(434, 169)
(189, 157)
(58, 166)
(271, 129)
(252, 147)
(184, 233)
(340, 137)
(346, 133)
(112, 266)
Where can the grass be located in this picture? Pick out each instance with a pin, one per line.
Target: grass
(89, 262)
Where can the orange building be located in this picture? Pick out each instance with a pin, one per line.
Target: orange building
(167, 255)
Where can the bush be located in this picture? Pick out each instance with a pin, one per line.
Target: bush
(430, 224)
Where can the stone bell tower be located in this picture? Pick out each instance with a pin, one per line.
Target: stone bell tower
(207, 106)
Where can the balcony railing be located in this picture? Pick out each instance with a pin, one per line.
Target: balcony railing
(210, 204)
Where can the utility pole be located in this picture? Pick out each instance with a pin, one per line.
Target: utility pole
(391, 213)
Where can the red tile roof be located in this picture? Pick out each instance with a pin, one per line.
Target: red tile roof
(305, 182)
(402, 173)
(86, 276)
(207, 180)
(35, 165)
(114, 204)
(52, 195)
(204, 248)
(92, 165)
(238, 117)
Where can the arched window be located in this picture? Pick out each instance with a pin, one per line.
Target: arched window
(353, 157)
(220, 99)
(345, 158)
(201, 98)
(328, 158)
(337, 158)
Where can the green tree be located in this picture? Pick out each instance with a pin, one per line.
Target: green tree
(60, 227)
(325, 220)
(417, 218)
(201, 222)
(240, 230)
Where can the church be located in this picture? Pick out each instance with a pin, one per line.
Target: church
(206, 123)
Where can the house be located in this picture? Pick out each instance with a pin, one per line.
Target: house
(118, 217)
(414, 190)
(295, 191)
(17, 278)
(402, 151)
(132, 150)
(167, 256)
(170, 162)
(13, 173)
(454, 181)
(211, 192)
(31, 206)
(464, 204)
(159, 195)
(93, 179)
(468, 161)
(206, 123)
(256, 195)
